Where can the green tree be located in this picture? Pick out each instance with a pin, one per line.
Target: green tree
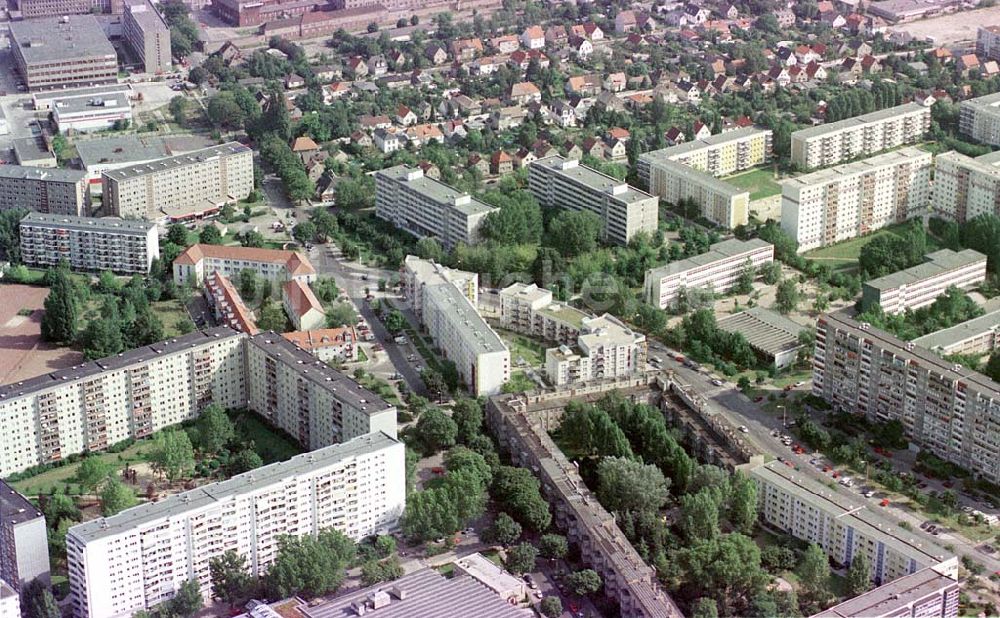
(58, 508)
(504, 531)
(187, 601)
(770, 272)
(37, 602)
(177, 234)
(551, 607)
(435, 383)
(744, 283)
(699, 516)
(375, 571)
(341, 314)
(178, 109)
(92, 471)
(859, 575)
(584, 582)
(310, 567)
(628, 485)
(520, 494)
(395, 322)
(786, 298)
(145, 329)
(385, 545)
(429, 248)
(574, 233)
(705, 608)
(252, 238)
(468, 416)
(814, 573)
(304, 232)
(244, 460)
(116, 497)
(992, 368)
(59, 322)
(248, 284)
(272, 318)
(210, 235)
(436, 431)
(231, 580)
(10, 234)
(553, 546)
(521, 558)
(743, 503)
(172, 453)
(215, 430)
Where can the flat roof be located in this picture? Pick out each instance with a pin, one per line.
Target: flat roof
(938, 262)
(31, 149)
(54, 39)
(987, 102)
(576, 172)
(702, 178)
(171, 163)
(694, 145)
(123, 149)
(908, 154)
(81, 92)
(148, 18)
(723, 250)
(857, 121)
(71, 105)
(492, 575)
(770, 332)
(436, 190)
(130, 519)
(50, 174)
(429, 272)
(14, 507)
(960, 332)
(606, 329)
(427, 594)
(525, 291)
(889, 599)
(565, 313)
(89, 224)
(465, 319)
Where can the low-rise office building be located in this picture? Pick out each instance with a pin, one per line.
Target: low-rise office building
(605, 349)
(423, 206)
(771, 335)
(716, 270)
(227, 305)
(57, 8)
(55, 191)
(979, 119)
(966, 187)
(975, 337)
(275, 265)
(303, 308)
(90, 244)
(854, 199)
(147, 35)
(835, 142)
(528, 309)
(181, 187)
(137, 559)
(327, 344)
(58, 52)
(624, 211)
(720, 202)
(91, 113)
(718, 155)
(944, 407)
(24, 552)
(920, 285)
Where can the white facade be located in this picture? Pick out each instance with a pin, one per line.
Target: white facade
(10, 602)
(606, 349)
(720, 202)
(854, 199)
(419, 273)
(965, 188)
(91, 113)
(920, 285)
(979, 119)
(90, 244)
(137, 559)
(529, 309)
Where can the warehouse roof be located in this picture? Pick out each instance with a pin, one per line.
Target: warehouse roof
(765, 330)
(52, 39)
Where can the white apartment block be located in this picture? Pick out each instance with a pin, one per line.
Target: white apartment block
(836, 142)
(277, 266)
(836, 204)
(138, 558)
(977, 336)
(423, 206)
(812, 512)
(952, 411)
(979, 119)
(605, 349)
(717, 270)
(529, 309)
(147, 35)
(24, 550)
(10, 601)
(920, 285)
(965, 188)
(192, 184)
(719, 155)
(308, 399)
(419, 273)
(91, 113)
(720, 202)
(988, 42)
(54, 191)
(123, 246)
(441, 297)
(624, 211)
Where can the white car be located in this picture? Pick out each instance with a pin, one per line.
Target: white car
(716, 382)
(743, 428)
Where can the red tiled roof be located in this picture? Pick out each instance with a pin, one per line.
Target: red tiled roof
(301, 297)
(295, 263)
(325, 337)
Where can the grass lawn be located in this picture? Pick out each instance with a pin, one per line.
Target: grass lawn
(170, 313)
(847, 250)
(61, 478)
(271, 444)
(760, 183)
(532, 352)
(519, 383)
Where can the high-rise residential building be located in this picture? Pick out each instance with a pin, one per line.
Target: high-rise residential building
(123, 246)
(720, 202)
(193, 184)
(977, 336)
(944, 407)
(920, 285)
(808, 510)
(58, 52)
(56, 191)
(716, 270)
(966, 187)
(423, 206)
(836, 142)
(24, 547)
(10, 601)
(147, 35)
(719, 155)
(462, 335)
(138, 558)
(624, 211)
(988, 42)
(529, 309)
(854, 199)
(605, 349)
(275, 265)
(979, 119)
(102, 154)
(418, 272)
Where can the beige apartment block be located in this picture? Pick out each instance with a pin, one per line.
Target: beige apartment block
(836, 142)
(920, 285)
(720, 202)
(945, 408)
(419, 273)
(719, 155)
(46, 190)
(716, 270)
(843, 202)
(147, 35)
(423, 206)
(624, 211)
(193, 184)
(89, 244)
(277, 266)
(966, 187)
(605, 349)
(979, 119)
(528, 309)
(59, 52)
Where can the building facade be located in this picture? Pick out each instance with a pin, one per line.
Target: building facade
(59, 52)
(10, 601)
(720, 202)
(138, 558)
(301, 305)
(54, 191)
(920, 285)
(88, 243)
(836, 142)
(988, 42)
(24, 548)
(423, 206)
(277, 266)
(605, 349)
(57, 8)
(327, 344)
(977, 337)
(624, 211)
(529, 309)
(147, 35)
(717, 270)
(418, 272)
(194, 184)
(965, 187)
(854, 199)
(950, 410)
(929, 593)
(979, 119)
(718, 155)
(89, 113)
